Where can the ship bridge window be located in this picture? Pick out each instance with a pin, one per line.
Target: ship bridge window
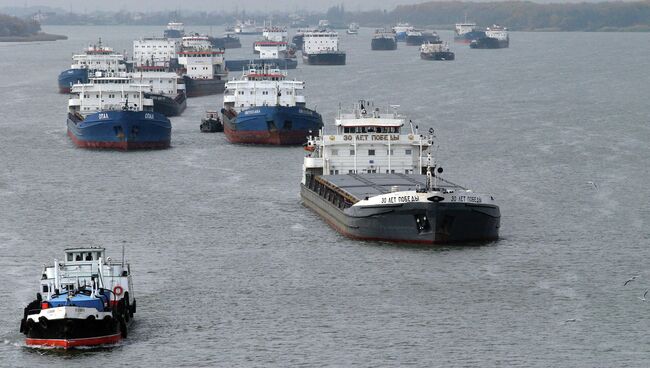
(408, 152)
(69, 257)
(351, 152)
(371, 152)
(89, 256)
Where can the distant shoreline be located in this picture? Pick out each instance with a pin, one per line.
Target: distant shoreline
(33, 38)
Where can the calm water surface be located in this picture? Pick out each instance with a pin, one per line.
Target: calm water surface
(231, 270)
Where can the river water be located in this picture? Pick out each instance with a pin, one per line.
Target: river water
(231, 270)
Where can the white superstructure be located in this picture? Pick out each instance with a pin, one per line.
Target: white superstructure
(274, 33)
(263, 87)
(154, 51)
(86, 267)
(199, 59)
(160, 80)
(320, 41)
(271, 49)
(463, 28)
(99, 58)
(402, 28)
(369, 140)
(497, 32)
(102, 93)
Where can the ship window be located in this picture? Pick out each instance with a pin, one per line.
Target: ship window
(408, 152)
(390, 152)
(89, 257)
(351, 152)
(371, 152)
(335, 152)
(45, 289)
(77, 257)
(69, 257)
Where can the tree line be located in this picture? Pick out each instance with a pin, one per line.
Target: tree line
(13, 26)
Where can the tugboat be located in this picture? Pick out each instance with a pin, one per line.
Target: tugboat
(265, 108)
(202, 66)
(85, 301)
(383, 40)
(113, 112)
(322, 48)
(353, 29)
(96, 58)
(496, 37)
(388, 188)
(436, 51)
(211, 122)
(467, 32)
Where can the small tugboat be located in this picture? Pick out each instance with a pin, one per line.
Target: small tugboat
(496, 37)
(322, 48)
(112, 112)
(96, 58)
(383, 40)
(84, 301)
(211, 122)
(388, 188)
(436, 51)
(265, 108)
(353, 29)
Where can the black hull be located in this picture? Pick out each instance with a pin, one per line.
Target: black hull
(203, 87)
(489, 43)
(414, 40)
(168, 106)
(438, 56)
(444, 222)
(381, 44)
(324, 59)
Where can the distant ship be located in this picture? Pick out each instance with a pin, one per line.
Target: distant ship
(113, 112)
(322, 48)
(297, 39)
(202, 66)
(263, 107)
(496, 37)
(400, 31)
(353, 29)
(271, 34)
(467, 32)
(374, 179)
(418, 37)
(174, 30)
(383, 40)
(248, 28)
(228, 41)
(96, 58)
(271, 53)
(84, 301)
(156, 51)
(436, 51)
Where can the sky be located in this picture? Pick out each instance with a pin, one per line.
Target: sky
(216, 5)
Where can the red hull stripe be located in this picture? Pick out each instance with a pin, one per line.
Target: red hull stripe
(64, 90)
(266, 137)
(71, 343)
(124, 146)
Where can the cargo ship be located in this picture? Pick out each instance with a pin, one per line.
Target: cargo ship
(270, 53)
(263, 107)
(321, 47)
(436, 51)
(202, 67)
(496, 37)
(167, 89)
(374, 179)
(174, 30)
(383, 40)
(86, 300)
(96, 58)
(247, 28)
(112, 112)
(228, 41)
(418, 37)
(400, 31)
(467, 32)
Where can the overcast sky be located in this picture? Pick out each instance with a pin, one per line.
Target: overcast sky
(248, 5)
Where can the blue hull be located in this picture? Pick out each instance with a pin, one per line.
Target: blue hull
(123, 130)
(242, 64)
(400, 36)
(279, 125)
(71, 76)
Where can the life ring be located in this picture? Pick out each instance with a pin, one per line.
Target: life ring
(118, 290)
(411, 137)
